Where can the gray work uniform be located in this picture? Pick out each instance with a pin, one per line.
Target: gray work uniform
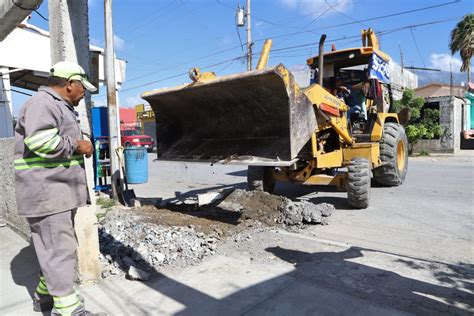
(50, 183)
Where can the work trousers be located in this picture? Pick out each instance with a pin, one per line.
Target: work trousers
(54, 240)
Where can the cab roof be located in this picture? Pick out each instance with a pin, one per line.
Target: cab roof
(348, 57)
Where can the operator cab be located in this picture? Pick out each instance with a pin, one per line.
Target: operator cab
(352, 75)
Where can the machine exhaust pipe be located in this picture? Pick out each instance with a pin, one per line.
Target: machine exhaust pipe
(321, 59)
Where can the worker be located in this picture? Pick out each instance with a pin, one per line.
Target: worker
(51, 183)
(355, 97)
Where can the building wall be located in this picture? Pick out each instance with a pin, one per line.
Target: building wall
(440, 90)
(8, 209)
(401, 79)
(450, 119)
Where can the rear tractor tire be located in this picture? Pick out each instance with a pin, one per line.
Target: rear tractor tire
(358, 183)
(260, 179)
(394, 156)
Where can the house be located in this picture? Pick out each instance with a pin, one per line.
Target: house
(454, 116)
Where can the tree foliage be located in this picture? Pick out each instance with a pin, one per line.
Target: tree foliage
(462, 41)
(419, 126)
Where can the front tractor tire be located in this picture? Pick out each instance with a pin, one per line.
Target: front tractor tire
(260, 179)
(393, 155)
(358, 183)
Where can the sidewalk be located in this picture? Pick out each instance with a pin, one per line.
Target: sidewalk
(276, 272)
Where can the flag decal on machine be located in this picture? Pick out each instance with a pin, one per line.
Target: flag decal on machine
(379, 69)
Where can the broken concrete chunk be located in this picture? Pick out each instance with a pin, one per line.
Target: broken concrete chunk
(209, 198)
(138, 274)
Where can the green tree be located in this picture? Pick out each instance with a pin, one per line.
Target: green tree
(419, 127)
(462, 41)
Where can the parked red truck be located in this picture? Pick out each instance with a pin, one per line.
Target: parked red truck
(133, 137)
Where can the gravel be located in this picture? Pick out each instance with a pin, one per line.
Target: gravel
(135, 243)
(130, 241)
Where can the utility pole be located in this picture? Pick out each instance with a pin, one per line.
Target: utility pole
(70, 41)
(249, 38)
(401, 57)
(114, 128)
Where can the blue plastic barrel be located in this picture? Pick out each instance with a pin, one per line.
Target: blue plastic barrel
(136, 164)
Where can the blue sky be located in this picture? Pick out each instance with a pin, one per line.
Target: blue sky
(164, 38)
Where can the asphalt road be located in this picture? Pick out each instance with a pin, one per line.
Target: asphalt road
(431, 216)
(410, 252)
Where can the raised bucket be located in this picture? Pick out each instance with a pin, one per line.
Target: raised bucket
(136, 164)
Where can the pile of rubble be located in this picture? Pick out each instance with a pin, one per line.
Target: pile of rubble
(129, 243)
(137, 241)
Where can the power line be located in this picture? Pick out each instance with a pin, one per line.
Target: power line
(284, 35)
(381, 33)
(342, 13)
(304, 28)
(37, 12)
(183, 63)
(146, 20)
(418, 50)
(389, 15)
(256, 17)
(178, 75)
(368, 19)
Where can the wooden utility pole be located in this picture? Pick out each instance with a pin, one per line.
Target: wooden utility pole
(249, 37)
(112, 108)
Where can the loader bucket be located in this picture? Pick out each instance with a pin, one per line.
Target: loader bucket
(260, 115)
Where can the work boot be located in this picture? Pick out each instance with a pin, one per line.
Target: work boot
(79, 311)
(42, 302)
(45, 302)
(71, 305)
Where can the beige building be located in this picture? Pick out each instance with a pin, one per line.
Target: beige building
(434, 90)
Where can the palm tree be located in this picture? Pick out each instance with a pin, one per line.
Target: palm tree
(462, 41)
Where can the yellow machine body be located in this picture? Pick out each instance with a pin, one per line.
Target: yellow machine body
(263, 118)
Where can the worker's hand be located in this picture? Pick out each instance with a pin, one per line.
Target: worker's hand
(344, 89)
(84, 147)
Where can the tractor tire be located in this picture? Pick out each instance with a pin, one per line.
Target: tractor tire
(358, 183)
(394, 156)
(260, 179)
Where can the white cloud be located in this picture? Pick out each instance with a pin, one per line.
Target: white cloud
(132, 101)
(290, 3)
(96, 42)
(225, 40)
(318, 6)
(298, 67)
(99, 102)
(119, 44)
(444, 62)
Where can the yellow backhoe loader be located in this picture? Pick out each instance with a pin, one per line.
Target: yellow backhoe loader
(337, 131)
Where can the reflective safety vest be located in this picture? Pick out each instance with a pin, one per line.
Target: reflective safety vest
(50, 176)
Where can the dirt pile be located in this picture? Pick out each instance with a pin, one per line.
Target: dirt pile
(271, 209)
(149, 238)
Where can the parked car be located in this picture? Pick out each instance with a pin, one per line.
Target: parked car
(133, 137)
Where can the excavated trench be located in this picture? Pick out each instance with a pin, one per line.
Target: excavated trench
(179, 234)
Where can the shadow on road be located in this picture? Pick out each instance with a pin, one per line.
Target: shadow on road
(338, 272)
(24, 269)
(343, 281)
